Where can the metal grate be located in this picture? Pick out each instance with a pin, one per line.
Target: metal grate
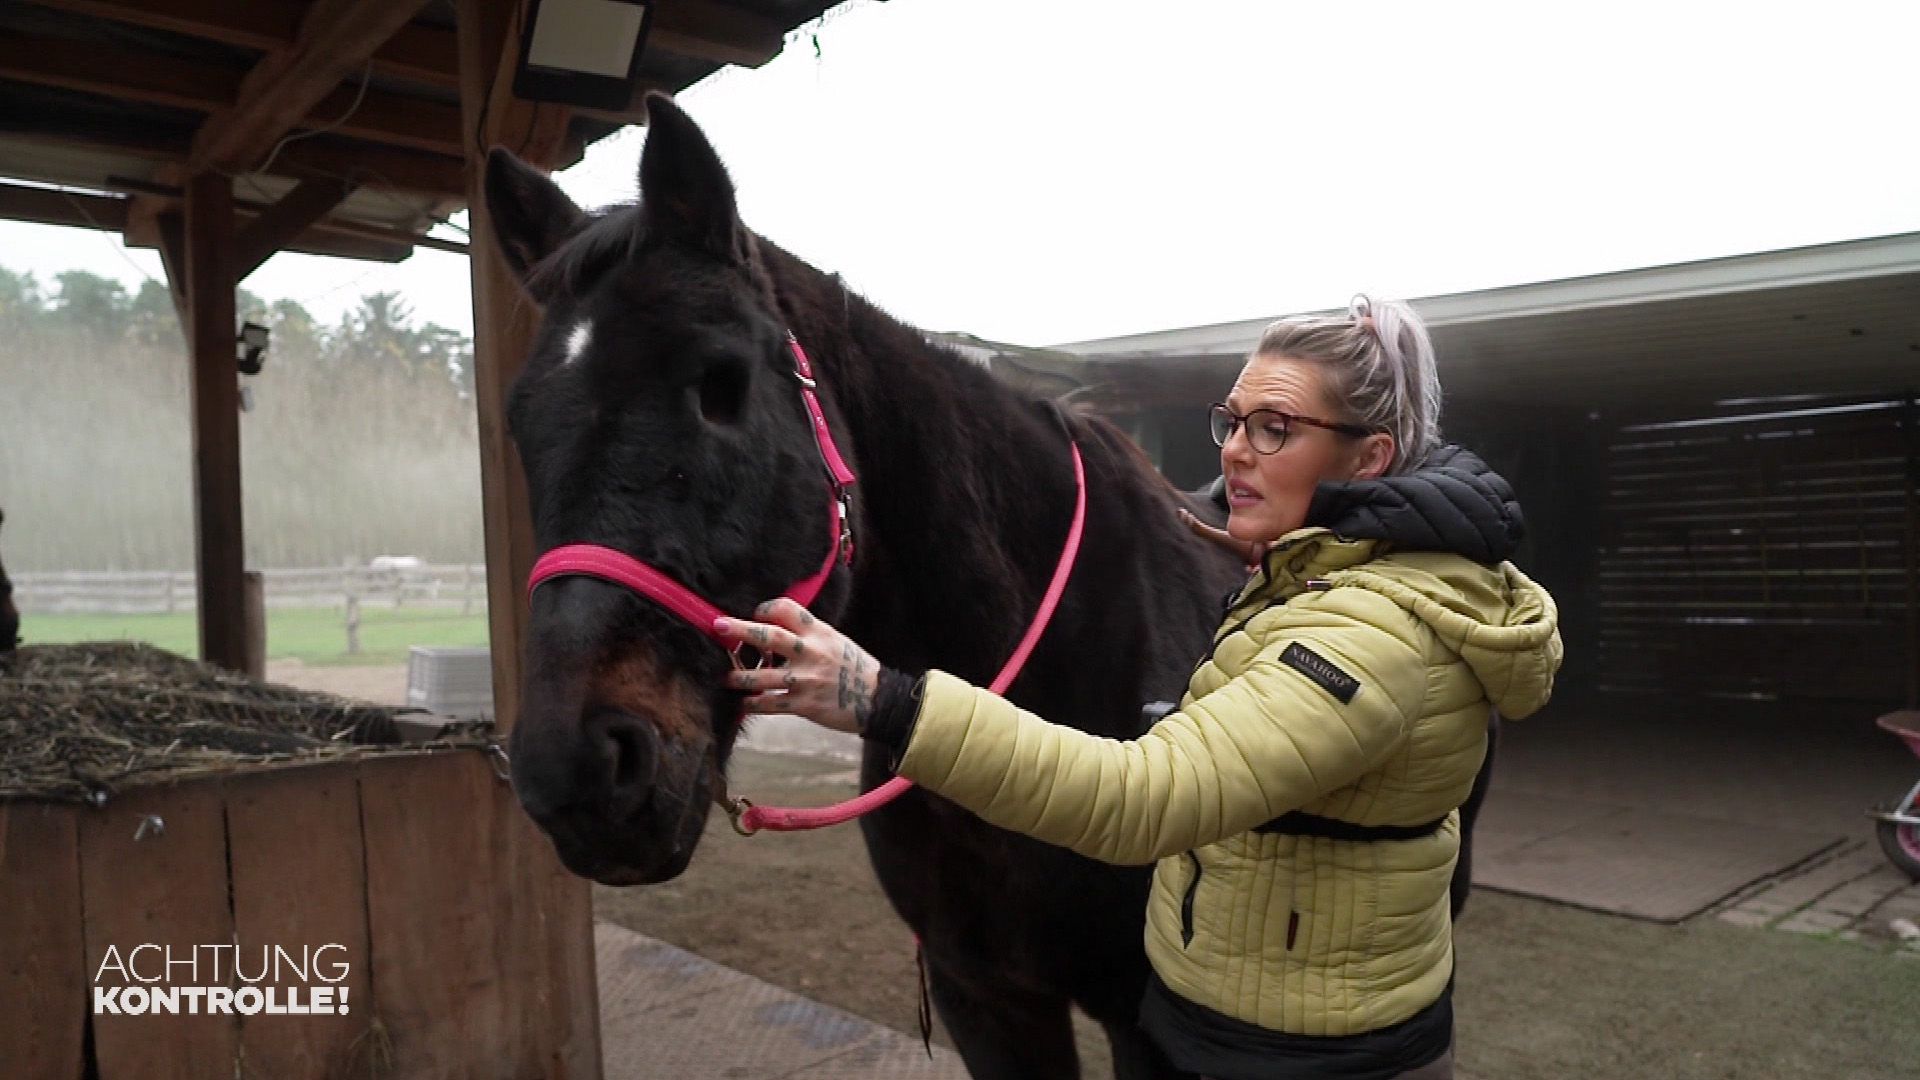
(1768, 551)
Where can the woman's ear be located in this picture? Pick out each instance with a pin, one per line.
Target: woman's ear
(1375, 456)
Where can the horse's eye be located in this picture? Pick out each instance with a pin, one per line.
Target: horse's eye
(723, 393)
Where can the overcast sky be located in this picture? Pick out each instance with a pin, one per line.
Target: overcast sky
(1049, 172)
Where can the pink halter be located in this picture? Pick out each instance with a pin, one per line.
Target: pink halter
(597, 561)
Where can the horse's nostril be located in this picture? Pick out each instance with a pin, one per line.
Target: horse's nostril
(633, 756)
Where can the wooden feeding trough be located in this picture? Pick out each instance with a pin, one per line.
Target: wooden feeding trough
(376, 872)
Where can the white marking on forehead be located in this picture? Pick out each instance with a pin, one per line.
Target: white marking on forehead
(577, 340)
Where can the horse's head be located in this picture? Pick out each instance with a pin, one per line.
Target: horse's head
(658, 415)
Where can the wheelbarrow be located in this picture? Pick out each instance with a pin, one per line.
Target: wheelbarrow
(1898, 826)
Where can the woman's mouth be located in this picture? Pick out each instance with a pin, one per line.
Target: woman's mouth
(1241, 495)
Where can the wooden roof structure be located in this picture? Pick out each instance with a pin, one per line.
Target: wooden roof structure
(223, 131)
(354, 106)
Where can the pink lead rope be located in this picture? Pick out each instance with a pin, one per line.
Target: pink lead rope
(785, 819)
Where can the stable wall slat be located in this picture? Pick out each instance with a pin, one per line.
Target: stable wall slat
(545, 948)
(299, 883)
(43, 968)
(432, 924)
(164, 889)
(1799, 501)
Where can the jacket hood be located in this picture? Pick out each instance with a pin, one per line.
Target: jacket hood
(1450, 502)
(1499, 621)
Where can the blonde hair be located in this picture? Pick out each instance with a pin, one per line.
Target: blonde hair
(1380, 367)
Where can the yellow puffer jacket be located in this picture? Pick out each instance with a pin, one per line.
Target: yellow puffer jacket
(1343, 685)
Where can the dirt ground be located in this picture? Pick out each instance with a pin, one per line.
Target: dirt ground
(1544, 991)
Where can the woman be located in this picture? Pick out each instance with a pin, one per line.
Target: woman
(1301, 803)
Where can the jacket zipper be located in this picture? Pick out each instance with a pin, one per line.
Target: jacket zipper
(1186, 903)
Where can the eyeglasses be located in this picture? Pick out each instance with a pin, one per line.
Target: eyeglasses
(1267, 429)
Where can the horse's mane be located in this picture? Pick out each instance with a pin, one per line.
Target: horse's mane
(1122, 446)
(609, 237)
(613, 235)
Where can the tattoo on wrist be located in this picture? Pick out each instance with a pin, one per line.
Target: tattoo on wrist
(863, 707)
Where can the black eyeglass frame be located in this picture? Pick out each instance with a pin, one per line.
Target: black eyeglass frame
(1235, 422)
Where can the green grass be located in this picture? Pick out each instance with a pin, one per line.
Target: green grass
(310, 635)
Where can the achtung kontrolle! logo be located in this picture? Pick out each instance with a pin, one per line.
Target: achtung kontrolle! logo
(196, 980)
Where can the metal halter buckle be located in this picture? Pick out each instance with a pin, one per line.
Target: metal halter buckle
(736, 811)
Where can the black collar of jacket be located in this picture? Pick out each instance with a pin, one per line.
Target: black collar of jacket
(1450, 502)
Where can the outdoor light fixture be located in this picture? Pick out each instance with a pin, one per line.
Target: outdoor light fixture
(582, 52)
(252, 344)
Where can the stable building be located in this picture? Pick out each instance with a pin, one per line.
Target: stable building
(1720, 460)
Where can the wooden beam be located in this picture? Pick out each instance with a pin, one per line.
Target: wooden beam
(46, 206)
(173, 259)
(422, 54)
(219, 542)
(393, 119)
(123, 74)
(160, 79)
(284, 221)
(718, 32)
(323, 239)
(349, 246)
(635, 111)
(386, 168)
(336, 37)
(315, 238)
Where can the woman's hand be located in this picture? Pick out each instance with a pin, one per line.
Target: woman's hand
(827, 678)
(1249, 552)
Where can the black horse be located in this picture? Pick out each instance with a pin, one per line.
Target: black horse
(659, 415)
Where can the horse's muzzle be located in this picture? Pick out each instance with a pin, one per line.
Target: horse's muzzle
(622, 804)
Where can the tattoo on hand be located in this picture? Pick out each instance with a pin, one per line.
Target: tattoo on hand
(845, 698)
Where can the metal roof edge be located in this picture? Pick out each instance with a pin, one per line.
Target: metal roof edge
(1846, 260)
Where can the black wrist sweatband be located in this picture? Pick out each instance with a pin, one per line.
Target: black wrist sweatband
(896, 705)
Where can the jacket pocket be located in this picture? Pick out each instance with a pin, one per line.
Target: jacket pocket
(1186, 902)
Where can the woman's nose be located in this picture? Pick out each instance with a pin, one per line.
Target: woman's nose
(1237, 447)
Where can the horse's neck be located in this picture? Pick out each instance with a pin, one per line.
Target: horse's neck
(965, 491)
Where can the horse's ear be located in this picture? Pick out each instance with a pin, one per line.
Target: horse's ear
(531, 216)
(684, 188)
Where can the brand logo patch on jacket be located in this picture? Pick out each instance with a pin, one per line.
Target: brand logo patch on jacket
(1322, 671)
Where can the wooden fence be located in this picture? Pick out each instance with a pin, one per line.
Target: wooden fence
(114, 592)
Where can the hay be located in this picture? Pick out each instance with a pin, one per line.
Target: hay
(79, 722)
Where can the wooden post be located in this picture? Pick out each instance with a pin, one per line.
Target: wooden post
(219, 543)
(555, 949)
(1910, 421)
(353, 623)
(502, 331)
(256, 619)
